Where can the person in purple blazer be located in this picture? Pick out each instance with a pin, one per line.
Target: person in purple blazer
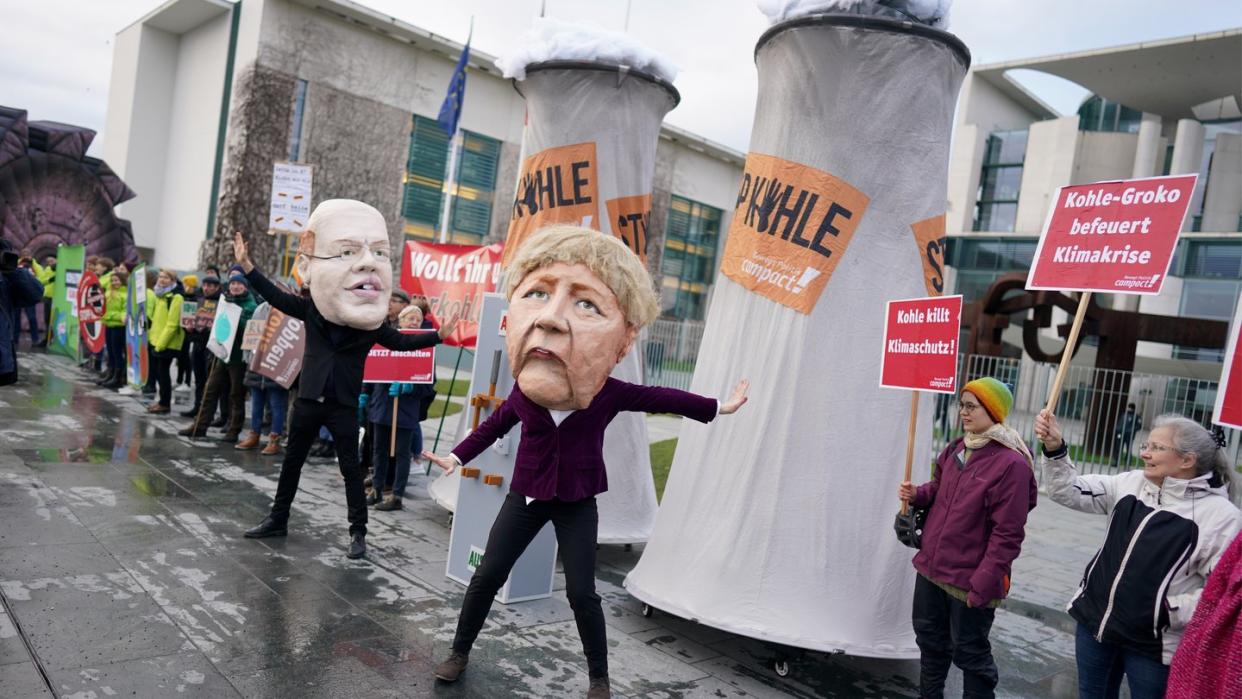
(577, 300)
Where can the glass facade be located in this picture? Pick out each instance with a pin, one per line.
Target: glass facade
(425, 170)
(1099, 114)
(299, 109)
(1213, 282)
(691, 239)
(980, 261)
(997, 199)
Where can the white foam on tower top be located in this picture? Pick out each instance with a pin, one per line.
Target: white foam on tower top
(934, 13)
(555, 40)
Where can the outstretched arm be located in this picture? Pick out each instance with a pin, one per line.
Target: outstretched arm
(398, 341)
(657, 399)
(280, 299)
(494, 427)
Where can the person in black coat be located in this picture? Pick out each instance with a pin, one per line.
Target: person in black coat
(345, 258)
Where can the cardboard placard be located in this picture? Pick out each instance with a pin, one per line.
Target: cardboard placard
(791, 226)
(291, 197)
(920, 344)
(557, 185)
(281, 347)
(388, 366)
(1228, 410)
(930, 239)
(1116, 237)
(224, 330)
(206, 314)
(454, 279)
(189, 309)
(254, 328)
(629, 217)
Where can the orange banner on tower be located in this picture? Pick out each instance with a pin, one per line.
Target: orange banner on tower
(929, 237)
(557, 185)
(629, 217)
(791, 225)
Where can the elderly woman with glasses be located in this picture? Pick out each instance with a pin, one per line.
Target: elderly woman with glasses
(1169, 523)
(978, 499)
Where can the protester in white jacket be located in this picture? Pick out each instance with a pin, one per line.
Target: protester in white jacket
(1169, 524)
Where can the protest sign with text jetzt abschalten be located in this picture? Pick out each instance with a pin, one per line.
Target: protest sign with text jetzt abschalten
(389, 366)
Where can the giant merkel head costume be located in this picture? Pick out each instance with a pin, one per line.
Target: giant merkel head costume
(345, 258)
(577, 299)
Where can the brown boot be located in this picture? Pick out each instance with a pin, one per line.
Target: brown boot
(451, 669)
(599, 688)
(273, 445)
(392, 502)
(250, 442)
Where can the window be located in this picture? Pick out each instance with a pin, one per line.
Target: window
(299, 109)
(689, 262)
(425, 169)
(979, 261)
(1099, 114)
(999, 182)
(1207, 298)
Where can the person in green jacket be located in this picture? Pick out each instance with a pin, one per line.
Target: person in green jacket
(46, 274)
(166, 334)
(230, 372)
(114, 328)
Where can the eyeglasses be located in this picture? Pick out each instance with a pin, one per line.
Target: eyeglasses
(1152, 446)
(350, 252)
(967, 407)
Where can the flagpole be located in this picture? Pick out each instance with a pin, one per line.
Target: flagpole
(450, 184)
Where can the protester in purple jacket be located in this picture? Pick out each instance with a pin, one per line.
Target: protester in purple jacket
(577, 300)
(979, 497)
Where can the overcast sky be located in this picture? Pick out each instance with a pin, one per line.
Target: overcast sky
(57, 54)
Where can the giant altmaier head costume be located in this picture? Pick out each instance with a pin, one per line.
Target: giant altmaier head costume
(577, 299)
(345, 258)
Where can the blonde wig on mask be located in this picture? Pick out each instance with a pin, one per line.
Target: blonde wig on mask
(615, 265)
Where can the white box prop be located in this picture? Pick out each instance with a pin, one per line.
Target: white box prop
(478, 503)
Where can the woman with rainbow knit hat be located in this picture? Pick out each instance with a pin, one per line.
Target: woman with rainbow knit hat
(978, 500)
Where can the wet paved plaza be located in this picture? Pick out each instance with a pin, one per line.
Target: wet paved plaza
(124, 573)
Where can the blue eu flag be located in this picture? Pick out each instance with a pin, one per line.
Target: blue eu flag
(450, 111)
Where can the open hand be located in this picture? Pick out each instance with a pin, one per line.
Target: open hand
(240, 255)
(1048, 431)
(735, 399)
(448, 463)
(448, 326)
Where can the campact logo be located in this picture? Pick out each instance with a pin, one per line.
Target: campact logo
(789, 282)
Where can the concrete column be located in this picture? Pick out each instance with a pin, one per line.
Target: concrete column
(1187, 156)
(1222, 204)
(1147, 154)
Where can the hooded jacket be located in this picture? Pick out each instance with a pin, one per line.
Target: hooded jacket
(114, 306)
(977, 520)
(166, 331)
(1141, 588)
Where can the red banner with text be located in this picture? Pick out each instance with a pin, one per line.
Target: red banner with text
(920, 344)
(1115, 237)
(1229, 391)
(389, 366)
(454, 279)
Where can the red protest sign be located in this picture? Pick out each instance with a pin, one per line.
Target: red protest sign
(1229, 391)
(454, 279)
(386, 366)
(920, 344)
(91, 306)
(1117, 237)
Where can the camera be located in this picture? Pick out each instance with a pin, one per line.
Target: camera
(8, 261)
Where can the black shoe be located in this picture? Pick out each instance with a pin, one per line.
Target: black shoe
(220, 422)
(357, 546)
(599, 688)
(269, 527)
(192, 412)
(104, 377)
(372, 497)
(191, 432)
(390, 503)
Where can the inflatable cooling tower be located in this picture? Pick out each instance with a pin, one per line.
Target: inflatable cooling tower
(776, 522)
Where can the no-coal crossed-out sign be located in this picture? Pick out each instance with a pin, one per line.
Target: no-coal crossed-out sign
(920, 344)
(1114, 237)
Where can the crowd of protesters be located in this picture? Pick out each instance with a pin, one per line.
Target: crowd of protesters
(179, 361)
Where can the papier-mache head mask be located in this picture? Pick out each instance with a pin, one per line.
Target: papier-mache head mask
(577, 299)
(345, 258)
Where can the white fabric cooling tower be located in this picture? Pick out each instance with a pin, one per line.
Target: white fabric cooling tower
(590, 144)
(776, 522)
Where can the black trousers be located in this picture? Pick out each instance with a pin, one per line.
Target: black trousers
(162, 370)
(949, 632)
(577, 524)
(198, 366)
(342, 422)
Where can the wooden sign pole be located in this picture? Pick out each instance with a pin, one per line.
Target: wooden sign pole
(392, 434)
(914, 416)
(1068, 353)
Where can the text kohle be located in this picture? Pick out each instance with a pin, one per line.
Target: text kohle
(931, 315)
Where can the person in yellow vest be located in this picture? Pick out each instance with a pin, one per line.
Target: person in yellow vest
(115, 294)
(46, 274)
(167, 335)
